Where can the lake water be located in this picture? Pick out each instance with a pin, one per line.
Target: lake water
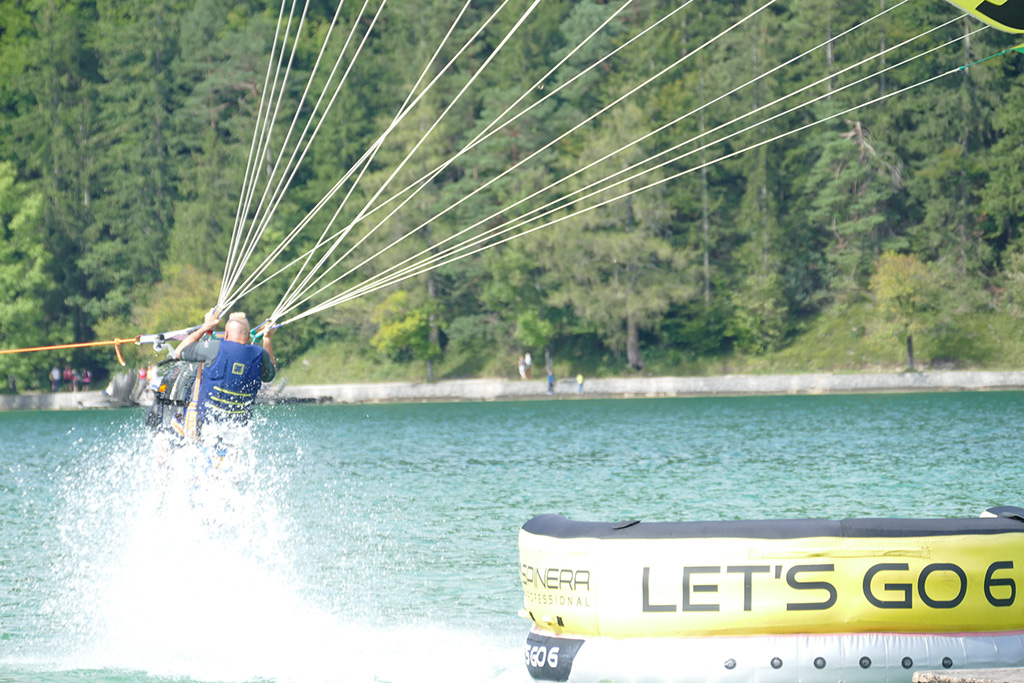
(378, 543)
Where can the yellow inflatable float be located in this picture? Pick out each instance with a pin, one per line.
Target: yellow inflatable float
(786, 600)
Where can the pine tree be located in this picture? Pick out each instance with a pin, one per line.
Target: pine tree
(850, 187)
(24, 262)
(617, 266)
(136, 183)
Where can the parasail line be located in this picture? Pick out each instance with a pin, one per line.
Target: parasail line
(407, 105)
(780, 136)
(489, 131)
(490, 57)
(1019, 48)
(480, 137)
(246, 178)
(361, 162)
(442, 259)
(269, 122)
(279, 191)
(278, 194)
(545, 147)
(660, 129)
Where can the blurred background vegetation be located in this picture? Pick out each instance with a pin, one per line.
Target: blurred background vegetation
(125, 126)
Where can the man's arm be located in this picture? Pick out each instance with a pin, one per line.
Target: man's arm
(210, 322)
(268, 375)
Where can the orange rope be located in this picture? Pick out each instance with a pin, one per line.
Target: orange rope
(81, 345)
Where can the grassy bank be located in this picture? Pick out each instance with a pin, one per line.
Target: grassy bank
(842, 343)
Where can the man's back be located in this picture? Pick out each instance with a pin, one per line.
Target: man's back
(229, 379)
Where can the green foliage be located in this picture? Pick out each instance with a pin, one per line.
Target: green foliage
(179, 300)
(533, 331)
(1013, 278)
(127, 124)
(403, 330)
(759, 323)
(904, 290)
(23, 279)
(851, 189)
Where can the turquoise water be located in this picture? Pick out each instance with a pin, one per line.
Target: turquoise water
(378, 543)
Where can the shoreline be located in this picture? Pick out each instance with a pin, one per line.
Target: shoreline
(472, 390)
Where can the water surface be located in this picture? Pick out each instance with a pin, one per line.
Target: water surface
(378, 543)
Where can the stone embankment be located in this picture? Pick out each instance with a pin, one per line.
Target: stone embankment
(508, 390)
(728, 385)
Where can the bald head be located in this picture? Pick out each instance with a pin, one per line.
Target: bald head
(237, 330)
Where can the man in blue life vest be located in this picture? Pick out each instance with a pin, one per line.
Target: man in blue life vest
(230, 376)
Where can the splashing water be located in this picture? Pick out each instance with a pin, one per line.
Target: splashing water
(179, 564)
(378, 543)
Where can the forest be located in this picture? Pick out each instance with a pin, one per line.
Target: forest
(855, 233)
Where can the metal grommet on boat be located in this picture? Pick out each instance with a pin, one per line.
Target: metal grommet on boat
(947, 663)
(865, 662)
(907, 662)
(819, 662)
(730, 664)
(776, 663)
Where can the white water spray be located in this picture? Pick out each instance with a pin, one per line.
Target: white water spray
(180, 565)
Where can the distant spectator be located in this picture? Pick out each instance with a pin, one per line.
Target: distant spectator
(522, 368)
(528, 362)
(579, 383)
(551, 381)
(86, 379)
(55, 379)
(67, 378)
(140, 385)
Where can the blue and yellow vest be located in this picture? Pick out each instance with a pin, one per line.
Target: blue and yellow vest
(226, 389)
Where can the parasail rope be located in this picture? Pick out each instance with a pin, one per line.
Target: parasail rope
(407, 105)
(548, 145)
(363, 160)
(268, 129)
(275, 198)
(116, 343)
(446, 257)
(650, 134)
(479, 139)
(490, 57)
(490, 130)
(246, 178)
(279, 194)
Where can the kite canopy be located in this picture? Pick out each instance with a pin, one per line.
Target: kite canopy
(1006, 16)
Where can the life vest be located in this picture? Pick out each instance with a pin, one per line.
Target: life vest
(226, 388)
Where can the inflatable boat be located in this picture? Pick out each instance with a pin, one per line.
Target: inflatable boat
(790, 601)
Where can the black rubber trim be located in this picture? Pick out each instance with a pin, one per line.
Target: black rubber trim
(557, 526)
(1009, 13)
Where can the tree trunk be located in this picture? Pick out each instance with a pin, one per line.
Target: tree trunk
(705, 211)
(434, 335)
(910, 352)
(633, 344)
